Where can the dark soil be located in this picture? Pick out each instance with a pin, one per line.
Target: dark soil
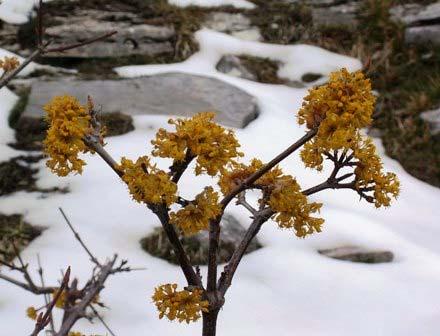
(15, 235)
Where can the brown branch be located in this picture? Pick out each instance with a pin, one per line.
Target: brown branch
(43, 47)
(243, 202)
(214, 225)
(227, 275)
(79, 310)
(254, 177)
(46, 296)
(44, 319)
(10, 75)
(80, 44)
(191, 276)
(179, 167)
(96, 146)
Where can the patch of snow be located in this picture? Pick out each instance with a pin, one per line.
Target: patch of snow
(287, 287)
(213, 3)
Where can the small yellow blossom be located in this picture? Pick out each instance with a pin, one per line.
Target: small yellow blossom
(68, 123)
(182, 305)
(147, 183)
(31, 312)
(75, 333)
(292, 209)
(213, 145)
(9, 63)
(195, 216)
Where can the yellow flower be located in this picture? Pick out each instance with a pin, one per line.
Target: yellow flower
(369, 174)
(292, 209)
(213, 145)
(75, 333)
(9, 63)
(195, 216)
(147, 183)
(347, 96)
(238, 172)
(338, 110)
(31, 312)
(182, 305)
(68, 123)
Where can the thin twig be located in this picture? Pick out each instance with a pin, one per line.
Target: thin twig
(102, 320)
(44, 319)
(77, 237)
(46, 296)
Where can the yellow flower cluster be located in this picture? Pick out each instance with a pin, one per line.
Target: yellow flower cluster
(195, 216)
(369, 174)
(292, 209)
(68, 123)
(147, 183)
(182, 305)
(9, 63)
(338, 110)
(75, 333)
(284, 196)
(213, 145)
(239, 172)
(31, 312)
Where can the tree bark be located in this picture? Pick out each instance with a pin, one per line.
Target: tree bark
(210, 323)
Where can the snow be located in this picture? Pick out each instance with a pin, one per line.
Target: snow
(213, 3)
(284, 288)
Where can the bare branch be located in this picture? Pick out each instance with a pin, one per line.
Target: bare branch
(44, 319)
(77, 236)
(227, 275)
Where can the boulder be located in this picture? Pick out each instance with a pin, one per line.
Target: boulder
(233, 66)
(416, 14)
(132, 38)
(423, 34)
(358, 254)
(196, 246)
(164, 94)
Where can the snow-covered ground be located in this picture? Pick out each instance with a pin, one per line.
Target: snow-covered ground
(282, 289)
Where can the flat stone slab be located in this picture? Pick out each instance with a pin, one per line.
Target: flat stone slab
(358, 254)
(163, 94)
(132, 38)
(423, 34)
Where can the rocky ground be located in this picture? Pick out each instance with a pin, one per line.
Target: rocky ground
(398, 41)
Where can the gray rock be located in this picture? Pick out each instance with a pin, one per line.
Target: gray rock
(132, 38)
(416, 14)
(358, 254)
(165, 94)
(227, 22)
(232, 65)
(235, 24)
(423, 34)
(344, 14)
(197, 245)
(433, 119)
